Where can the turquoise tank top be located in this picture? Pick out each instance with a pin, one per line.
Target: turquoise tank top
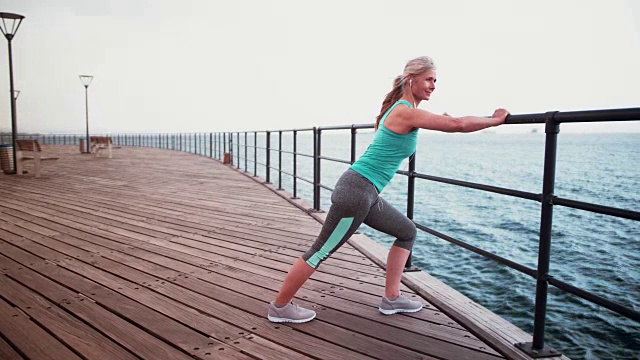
(384, 155)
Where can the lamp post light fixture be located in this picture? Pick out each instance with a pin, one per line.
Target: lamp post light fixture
(9, 24)
(86, 80)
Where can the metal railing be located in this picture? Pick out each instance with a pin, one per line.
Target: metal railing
(217, 145)
(548, 200)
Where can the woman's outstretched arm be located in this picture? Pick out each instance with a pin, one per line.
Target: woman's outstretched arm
(417, 118)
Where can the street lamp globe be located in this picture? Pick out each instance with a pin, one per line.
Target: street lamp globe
(86, 79)
(9, 24)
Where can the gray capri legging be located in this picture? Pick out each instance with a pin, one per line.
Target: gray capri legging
(355, 201)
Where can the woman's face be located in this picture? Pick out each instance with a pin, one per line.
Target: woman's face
(423, 85)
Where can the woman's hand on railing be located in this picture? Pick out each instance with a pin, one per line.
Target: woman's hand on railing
(501, 115)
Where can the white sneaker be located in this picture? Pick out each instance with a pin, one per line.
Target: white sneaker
(399, 305)
(289, 313)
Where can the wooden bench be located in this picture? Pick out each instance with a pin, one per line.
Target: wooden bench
(99, 143)
(30, 150)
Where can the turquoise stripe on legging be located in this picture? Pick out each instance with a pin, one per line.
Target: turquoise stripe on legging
(333, 241)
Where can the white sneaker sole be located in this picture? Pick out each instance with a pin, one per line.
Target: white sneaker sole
(395, 311)
(285, 320)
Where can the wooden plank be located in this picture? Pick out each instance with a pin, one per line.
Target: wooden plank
(359, 343)
(113, 301)
(76, 334)
(252, 322)
(356, 293)
(251, 284)
(227, 281)
(132, 200)
(400, 335)
(267, 350)
(107, 321)
(33, 341)
(295, 225)
(196, 291)
(283, 261)
(203, 230)
(7, 352)
(256, 235)
(250, 245)
(283, 264)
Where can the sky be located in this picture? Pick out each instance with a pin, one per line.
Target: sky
(205, 65)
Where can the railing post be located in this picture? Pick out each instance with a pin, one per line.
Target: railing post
(353, 144)
(255, 153)
(224, 143)
(268, 157)
(536, 349)
(246, 155)
(230, 149)
(280, 160)
(411, 190)
(316, 168)
(295, 164)
(211, 145)
(238, 146)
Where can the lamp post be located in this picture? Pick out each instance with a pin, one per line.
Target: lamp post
(9, 25)
(86, 80)
(16, 93)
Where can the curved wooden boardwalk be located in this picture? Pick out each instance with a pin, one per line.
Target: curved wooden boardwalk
(158, 254)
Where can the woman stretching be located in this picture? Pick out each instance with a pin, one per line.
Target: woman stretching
(355, 199)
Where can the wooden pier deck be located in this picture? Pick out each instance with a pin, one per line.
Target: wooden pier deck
(158, 254)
